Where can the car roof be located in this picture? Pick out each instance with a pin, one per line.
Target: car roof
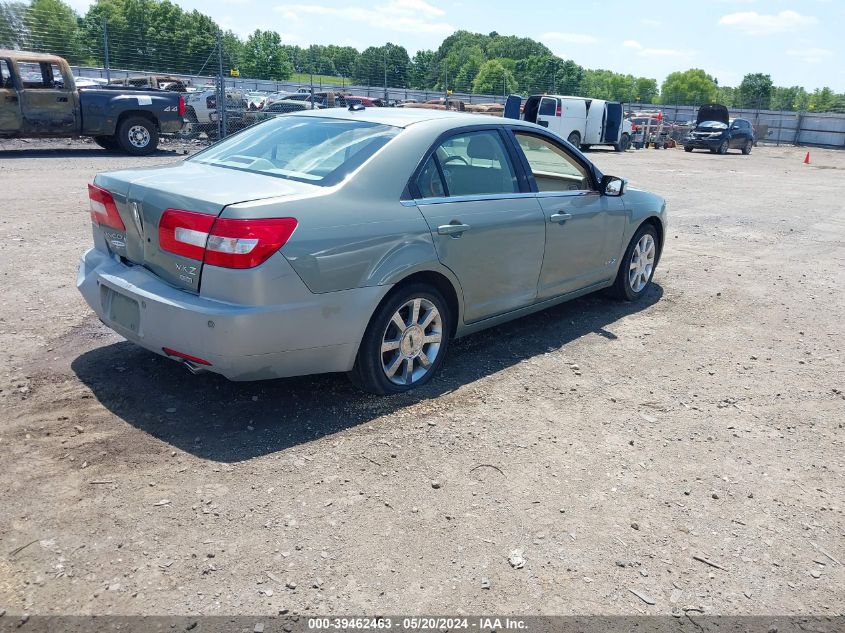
(404, 117)
(29, 56)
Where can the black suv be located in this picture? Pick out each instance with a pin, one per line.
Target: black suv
(715, 131)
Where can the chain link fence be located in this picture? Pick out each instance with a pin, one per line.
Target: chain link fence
(199, 61)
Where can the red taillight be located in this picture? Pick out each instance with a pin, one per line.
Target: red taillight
(246, 243)
(103, 209)
(184, 233)
(193, 359)
(181, 105)
(558, 112)
(222, 242)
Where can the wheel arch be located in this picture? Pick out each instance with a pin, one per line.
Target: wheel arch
(135, 113)
(657, 223)
(449, 288)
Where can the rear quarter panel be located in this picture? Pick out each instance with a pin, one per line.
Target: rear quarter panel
(359, 233)
(102, 109)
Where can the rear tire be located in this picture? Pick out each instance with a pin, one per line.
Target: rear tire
(638, 265)
(574, 138)
(107, 142)
(623, 144)
(138, 136)
(393, 358)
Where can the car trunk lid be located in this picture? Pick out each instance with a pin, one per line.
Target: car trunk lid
(142, 197)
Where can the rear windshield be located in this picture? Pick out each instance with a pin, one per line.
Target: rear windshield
(306, 148)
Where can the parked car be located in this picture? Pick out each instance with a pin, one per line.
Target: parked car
(199, 106)
(39, 98)
(581, 121)
(277, 108)
(718, 133)
(155, 82)
(358, 241)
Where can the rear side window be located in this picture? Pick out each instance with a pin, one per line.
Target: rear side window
(548, 107)
(42, 75)
(429, 182)
(476, 163)
(310, 149)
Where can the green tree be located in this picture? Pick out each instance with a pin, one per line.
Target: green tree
(690, 87)
(264, 58)
(13, 25)
(370, 67)
(821, 100)
(645, 90)
(422, 66)
(792, 98)
(494, 78)
(53, 27)
(755, 91)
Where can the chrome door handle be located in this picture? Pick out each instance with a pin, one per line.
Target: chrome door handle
(560, 217)
(452, 229)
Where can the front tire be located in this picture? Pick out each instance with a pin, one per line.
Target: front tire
(638, 264)
(723, 147)
(746, 149)
(107, 142)
(687, 148)
(405, 342)
(138, 136)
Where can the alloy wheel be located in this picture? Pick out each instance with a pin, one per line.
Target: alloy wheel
(411, 341)
(642, 263)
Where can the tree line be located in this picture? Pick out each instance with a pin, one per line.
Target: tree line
(159, 35)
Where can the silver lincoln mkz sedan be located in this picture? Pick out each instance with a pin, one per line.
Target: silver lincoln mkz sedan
(358, 240)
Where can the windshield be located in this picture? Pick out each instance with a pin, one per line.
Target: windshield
(311, 149)
(716, 125)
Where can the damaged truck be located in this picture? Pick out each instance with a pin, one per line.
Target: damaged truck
(39, 99)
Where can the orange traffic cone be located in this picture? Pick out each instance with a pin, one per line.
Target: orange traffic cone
(807, 159)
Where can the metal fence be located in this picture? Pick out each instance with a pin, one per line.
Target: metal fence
(771, 126)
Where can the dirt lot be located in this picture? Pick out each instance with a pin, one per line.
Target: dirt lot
(610, 443)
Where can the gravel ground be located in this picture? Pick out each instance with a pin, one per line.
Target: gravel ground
(688, 448)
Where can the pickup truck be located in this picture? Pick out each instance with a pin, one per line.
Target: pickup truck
(38, 98)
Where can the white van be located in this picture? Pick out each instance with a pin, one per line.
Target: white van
(581, 121)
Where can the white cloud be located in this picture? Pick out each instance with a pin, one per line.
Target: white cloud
(632, 44)
(650, 22)
(569, 38)
(753, 23)
(811, 55)
(410, 16)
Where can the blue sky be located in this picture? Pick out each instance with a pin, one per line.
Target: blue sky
(797, 42)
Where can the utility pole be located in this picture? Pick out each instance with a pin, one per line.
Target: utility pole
(446, 87)
(221, 102)
(504, 77)
(106, 47)
(311, 51)
(385, 75)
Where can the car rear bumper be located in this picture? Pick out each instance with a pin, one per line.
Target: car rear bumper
(315, 333)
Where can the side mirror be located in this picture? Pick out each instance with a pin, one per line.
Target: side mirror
(613, 186)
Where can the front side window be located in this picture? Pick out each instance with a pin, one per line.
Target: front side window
(553, 168)
(476, 163)
(311, 149)
(6, 81)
